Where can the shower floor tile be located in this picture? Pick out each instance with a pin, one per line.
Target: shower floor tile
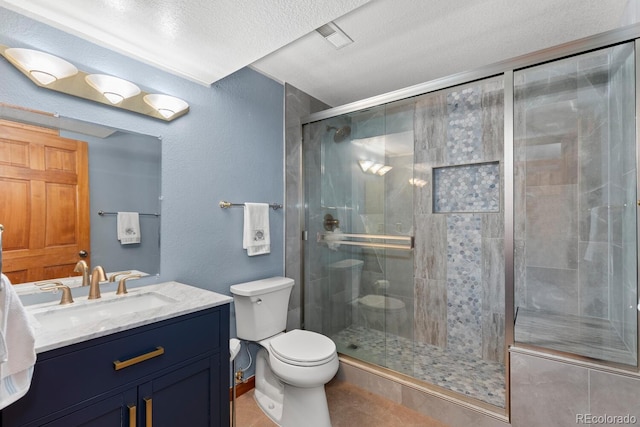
(465, 374)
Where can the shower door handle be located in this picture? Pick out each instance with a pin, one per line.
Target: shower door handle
(337, 238)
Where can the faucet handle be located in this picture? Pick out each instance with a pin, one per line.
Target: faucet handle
(113, 277)
(54, 286)
(122, 288)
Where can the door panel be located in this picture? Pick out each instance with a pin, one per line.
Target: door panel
(44, 202)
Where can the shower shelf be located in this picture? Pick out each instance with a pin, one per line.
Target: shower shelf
(336, 239)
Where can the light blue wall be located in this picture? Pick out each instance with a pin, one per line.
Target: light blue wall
(229, 146)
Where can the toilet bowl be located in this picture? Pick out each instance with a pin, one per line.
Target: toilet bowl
(374, 311)
(291, 368)
(382, 312)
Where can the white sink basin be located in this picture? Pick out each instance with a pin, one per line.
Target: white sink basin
(82, 313)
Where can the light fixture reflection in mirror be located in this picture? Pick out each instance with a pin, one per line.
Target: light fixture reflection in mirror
(373, 167)
(50, 72)
(114, 89)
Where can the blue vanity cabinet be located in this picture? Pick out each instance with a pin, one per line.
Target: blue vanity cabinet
(171, 373)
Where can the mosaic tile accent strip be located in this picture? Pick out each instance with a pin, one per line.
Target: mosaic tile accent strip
(464, 129)
(464, 284)
(468, 188)
(465, 374)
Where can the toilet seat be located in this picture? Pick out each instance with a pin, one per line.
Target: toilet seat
(302, 348)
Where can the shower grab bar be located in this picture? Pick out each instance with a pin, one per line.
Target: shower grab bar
(337, 239)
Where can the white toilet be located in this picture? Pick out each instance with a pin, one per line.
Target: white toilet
(291, 368)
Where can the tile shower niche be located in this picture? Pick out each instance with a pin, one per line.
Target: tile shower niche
(467, 188)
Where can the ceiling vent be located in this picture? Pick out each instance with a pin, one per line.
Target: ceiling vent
(334, 35)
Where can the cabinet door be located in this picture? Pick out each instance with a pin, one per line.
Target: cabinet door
(188, 396)
(118, 410)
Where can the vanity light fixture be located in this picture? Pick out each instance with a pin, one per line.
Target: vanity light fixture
(51, 72)
(166, 105)
(114, 89)
(43, 67)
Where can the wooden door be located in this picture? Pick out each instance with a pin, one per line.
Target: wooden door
(44, 202)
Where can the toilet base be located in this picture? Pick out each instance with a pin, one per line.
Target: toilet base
(286, 405)
(298, 401)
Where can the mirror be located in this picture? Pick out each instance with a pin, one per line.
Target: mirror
(124, 174)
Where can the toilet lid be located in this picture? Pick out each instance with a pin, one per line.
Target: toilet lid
(303, 348)
(380, 302)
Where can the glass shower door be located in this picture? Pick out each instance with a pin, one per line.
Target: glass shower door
(575, 206)
(358, 266)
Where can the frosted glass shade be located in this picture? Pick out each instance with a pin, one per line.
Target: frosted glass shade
(114, 89)
(43, 67)
(167, 106)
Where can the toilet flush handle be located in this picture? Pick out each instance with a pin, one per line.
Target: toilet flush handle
(256, 300)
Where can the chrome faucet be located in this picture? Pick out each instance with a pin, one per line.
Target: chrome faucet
(97, 276)
(82, 267)
(122, 287)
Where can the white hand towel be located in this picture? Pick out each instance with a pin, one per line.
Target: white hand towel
(16, 367)
(256, 238)
(128, 228)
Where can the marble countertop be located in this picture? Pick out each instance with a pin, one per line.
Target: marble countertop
(57, 326)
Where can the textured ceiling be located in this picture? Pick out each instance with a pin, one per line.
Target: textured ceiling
(397, 43)
(202, 40)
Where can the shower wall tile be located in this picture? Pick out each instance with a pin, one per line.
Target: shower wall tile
(430, 252)
(493, 225)
(493, 269)
(594, 215)
(519, 200)
(492, 111)
(555, 289)
(551, 160)
(464, 288)
(614, 395)
(446, 411)
(468, 188)
(493, 336)
(547, 393)
(552, 253)
(551, 212)
(594, 279)
(430, 312)
(464, 126)
(430, 122)
(520, 273)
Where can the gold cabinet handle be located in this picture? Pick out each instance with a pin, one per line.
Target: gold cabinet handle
(132, 415)
(148, 407)
(117, 364)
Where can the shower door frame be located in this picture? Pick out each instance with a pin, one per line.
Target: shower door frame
(505, 69)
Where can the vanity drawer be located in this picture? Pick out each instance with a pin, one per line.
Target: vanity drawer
(70, 376)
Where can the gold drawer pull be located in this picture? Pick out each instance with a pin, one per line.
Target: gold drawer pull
(117, 364)
(148, 404)
(132, 416)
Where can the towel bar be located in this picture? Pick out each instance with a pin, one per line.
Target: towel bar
(226, 205)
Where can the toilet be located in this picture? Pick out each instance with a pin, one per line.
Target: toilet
(375, 311)
(291, 367)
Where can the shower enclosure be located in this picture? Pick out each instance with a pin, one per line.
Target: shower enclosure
(427, 171)
(447, 225)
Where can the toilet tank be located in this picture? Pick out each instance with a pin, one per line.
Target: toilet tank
(261, 307)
